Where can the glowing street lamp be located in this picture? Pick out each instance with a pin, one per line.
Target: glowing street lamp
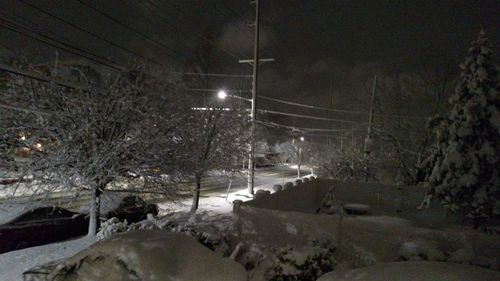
(221, 95)
(301, 138)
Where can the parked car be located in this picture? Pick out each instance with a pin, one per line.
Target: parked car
(261, 162)
(41, 226)
(133, 209)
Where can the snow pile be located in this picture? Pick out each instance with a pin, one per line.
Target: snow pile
(411, 271)
(13, 264)
(11, 210)
(148, 255)
(421, 250)
(214, 232)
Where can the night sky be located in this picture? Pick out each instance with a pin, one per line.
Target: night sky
(320, 47)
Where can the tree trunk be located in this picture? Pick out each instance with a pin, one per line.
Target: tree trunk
(196, 195)
(95, 206)
(298, 170)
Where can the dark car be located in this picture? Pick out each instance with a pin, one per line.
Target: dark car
(133, 209)
(261, 162)
(41, 226)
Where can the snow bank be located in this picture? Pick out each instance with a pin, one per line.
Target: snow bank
(13, 264)
(411, 271)
(383, 200)
(11, 210)
(149, 255)
(368, 239)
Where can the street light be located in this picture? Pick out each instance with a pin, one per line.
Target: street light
(251, 166)
(221, 95)
(301, 138)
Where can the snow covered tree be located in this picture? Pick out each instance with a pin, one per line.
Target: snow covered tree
(297, 151)
(465, 174)
(82, 137)
(212, 138)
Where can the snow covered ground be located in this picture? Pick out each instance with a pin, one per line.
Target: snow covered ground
(13, 264)
(354, 241)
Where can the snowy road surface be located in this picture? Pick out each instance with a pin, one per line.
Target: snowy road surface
(217, 186)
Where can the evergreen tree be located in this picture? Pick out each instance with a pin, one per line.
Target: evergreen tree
(466, 162)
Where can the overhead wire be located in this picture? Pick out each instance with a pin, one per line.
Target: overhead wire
(308, 129)
(304, 116)
(111, 43)
(237, 56)
(44, 11)
(36, 76)
(131, 29)
(336, 110)
(28, 32)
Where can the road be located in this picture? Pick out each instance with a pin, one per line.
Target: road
(218, 185)
(212, 186)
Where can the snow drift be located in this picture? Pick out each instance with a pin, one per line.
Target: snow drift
(148, 255)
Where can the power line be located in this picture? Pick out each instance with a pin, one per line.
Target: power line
(31, 75)
(170, 25)
(88, 32)
(95, 35)
(30, 33)
(304, 116)
(107, 16)
(237, 56)
(336, 110)
(16, 28)
(303, 129)
(13, 70)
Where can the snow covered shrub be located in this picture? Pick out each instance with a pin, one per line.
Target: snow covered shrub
(262, 194)
(277, 188)
(213, 233)
(465, 163)
(355, 255)
(421, 250)
(114, 225)
(110, 227)
(307, 263)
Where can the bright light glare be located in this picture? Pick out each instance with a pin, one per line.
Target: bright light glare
(23, 138)
(301, 138)
(221, 95)
(39, 145)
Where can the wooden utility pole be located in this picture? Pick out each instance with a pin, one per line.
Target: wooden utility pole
(369, 140)
(255, 63)
(329, 116)
(370, 120)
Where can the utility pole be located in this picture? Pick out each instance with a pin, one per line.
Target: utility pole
(369, 140)
(370, 120)
(251, 158)
(329, 142)
(255, 63)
